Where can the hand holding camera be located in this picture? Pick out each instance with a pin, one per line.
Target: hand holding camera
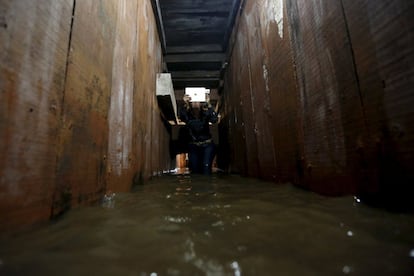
(187, 100)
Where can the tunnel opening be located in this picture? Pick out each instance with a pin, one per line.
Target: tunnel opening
(313, 93)
(289, 112)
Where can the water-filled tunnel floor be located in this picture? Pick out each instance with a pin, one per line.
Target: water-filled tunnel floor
(219, 225)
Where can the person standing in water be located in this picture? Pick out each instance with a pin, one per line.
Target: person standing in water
(201, 148)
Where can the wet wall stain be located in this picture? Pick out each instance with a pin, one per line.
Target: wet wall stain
(337, 125)
(56, 88)
(33, 55)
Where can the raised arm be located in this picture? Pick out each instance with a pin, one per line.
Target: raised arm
(184, 111)
(211, 113)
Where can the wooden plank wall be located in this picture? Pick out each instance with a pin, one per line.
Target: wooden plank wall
(382, 34)
(329, 109)
(324, 90)
(34, 39)
(84, 132)
(78, 112)
(260, 95)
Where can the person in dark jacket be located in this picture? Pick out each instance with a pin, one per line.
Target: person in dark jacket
(201, 149)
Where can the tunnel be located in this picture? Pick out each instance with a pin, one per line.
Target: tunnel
(316, 95)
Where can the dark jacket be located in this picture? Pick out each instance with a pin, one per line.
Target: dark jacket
(198, 127)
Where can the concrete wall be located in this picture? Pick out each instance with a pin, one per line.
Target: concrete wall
(320, 93)
(78, 112)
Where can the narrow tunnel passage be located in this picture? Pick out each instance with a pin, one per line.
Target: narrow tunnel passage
(318, 94)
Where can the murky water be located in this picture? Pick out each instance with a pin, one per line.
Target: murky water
(224, 225)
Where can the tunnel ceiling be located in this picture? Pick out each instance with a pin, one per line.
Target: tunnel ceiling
(194, 36)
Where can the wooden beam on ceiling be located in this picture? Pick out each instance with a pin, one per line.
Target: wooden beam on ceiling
(195, 74)
(206, 48)
(208, 83)
(201, 57)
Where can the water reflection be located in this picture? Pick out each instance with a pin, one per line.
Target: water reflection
(219, 225)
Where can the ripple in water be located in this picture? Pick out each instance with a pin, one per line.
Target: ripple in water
(193, 225)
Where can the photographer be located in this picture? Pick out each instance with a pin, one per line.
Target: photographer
(201, 149)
